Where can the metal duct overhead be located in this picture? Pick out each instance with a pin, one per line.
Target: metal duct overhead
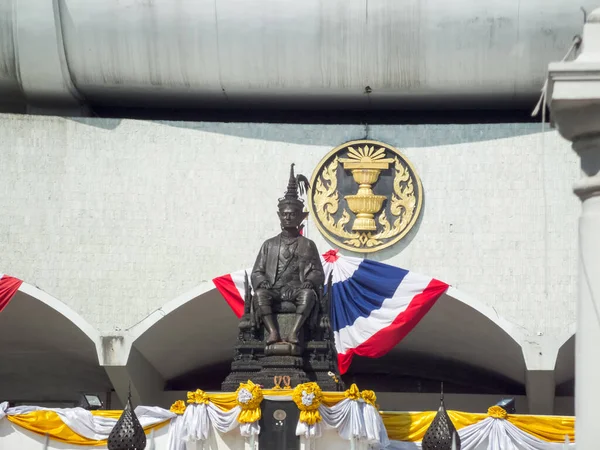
(284, 54)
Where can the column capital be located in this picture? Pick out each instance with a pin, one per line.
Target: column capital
(574, 87)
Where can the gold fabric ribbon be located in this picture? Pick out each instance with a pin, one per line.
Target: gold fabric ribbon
(49, 423)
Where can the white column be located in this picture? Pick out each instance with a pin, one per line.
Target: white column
(587, 340)
(574, 91)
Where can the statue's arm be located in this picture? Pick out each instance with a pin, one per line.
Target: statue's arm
(259, 271)
(316, 275)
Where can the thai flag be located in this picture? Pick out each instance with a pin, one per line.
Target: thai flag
(373, 305)
(8, 287)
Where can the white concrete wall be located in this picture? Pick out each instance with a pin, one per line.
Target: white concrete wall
(117, 217)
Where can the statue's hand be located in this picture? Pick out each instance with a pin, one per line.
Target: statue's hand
(286, 293)
(308, 285)
(264, 285)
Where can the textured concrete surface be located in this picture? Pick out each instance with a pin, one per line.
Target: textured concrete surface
(117, 217)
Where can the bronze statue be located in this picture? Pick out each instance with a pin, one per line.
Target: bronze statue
(288, 270)
(285, 332)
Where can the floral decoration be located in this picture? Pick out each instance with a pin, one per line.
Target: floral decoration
(198, 396)
(497, 412)
(178, 407)
(353, 393)
(369, 397)
(308, 397)
(249, 397)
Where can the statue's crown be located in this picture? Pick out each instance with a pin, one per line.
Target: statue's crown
(295, 184)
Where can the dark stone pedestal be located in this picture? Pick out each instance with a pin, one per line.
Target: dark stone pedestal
(251, 363)
(278, 426)
(312, 361)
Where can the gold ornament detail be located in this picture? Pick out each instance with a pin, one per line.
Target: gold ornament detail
(379, 220)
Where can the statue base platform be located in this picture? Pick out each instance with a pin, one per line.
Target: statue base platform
(283, 349)
(253, 361)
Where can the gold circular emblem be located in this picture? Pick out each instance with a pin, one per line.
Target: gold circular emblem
(365, 196)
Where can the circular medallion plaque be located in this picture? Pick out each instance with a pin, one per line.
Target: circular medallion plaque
(365, 196)
(279, 414)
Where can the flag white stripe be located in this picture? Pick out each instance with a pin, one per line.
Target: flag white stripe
(364, 328)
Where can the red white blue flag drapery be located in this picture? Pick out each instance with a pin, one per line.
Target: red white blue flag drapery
(374, 305)
(8, 287)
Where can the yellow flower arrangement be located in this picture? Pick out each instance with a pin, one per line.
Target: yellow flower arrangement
(178, 407)
(249, 397)
(308, 397)
(198, 396)
(369, 397)
(497, 412)
(353, 393)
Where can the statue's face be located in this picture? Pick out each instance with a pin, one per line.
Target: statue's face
(290, 217)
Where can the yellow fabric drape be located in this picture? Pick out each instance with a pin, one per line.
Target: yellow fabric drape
(546, 428)
(49, 423)
(227, 400)
(401, 426)
(411, 426)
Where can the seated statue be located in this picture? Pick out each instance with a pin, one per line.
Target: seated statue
(285, 329)
(288, 272)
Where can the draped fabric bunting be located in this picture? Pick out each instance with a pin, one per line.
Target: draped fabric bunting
(352, 413)
(493, 433)
(77, 425)
(374, 305)
(8, 287)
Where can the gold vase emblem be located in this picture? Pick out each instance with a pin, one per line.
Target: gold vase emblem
(365, 164)
(384, 208)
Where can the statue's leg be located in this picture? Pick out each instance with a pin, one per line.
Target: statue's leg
(305, 300)
(265, 300)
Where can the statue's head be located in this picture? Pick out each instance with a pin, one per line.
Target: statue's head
(291, 207)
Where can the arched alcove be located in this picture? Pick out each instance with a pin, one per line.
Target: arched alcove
(48, 352)
(460, 341)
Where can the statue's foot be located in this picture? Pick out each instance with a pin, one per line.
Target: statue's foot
(293, 339)
(272, 338)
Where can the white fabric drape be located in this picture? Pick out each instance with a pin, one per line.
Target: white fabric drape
(493, 434)
(3, 408)
(85, 424)
(199, 419)
(355, 421)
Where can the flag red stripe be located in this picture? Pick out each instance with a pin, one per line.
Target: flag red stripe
(8, 287)
(387, 338)
(230, 293)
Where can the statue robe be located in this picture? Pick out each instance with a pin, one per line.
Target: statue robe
(306, 258)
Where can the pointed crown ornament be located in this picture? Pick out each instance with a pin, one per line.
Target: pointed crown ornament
(441, 434)
(128, 433)
(296, 184)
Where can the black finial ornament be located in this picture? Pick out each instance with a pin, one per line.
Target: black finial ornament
(440, 433)
(128, 433)
(297, 186)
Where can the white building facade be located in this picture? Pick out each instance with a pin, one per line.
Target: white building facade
(117, 226)
(126, 223)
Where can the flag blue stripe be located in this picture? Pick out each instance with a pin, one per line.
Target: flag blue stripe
(363, 292)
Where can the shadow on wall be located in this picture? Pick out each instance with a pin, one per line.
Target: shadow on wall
(413, 136)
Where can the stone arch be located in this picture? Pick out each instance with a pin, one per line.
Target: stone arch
(192, 336)
(460, 341)
(49, 352)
